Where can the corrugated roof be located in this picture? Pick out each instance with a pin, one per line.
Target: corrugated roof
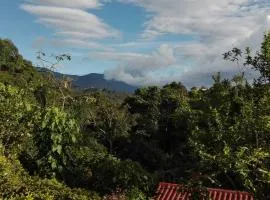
(169, 191)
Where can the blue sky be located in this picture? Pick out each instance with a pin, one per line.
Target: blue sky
(140, 42)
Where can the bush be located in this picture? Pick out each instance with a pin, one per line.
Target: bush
(111, 174)
(82, 159)
(55, 134)
(15, 117)
(15, 183)
(133, 194)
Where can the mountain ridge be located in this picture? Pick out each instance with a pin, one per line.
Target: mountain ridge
(95, 80)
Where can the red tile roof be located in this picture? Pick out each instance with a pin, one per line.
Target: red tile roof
(169, 191)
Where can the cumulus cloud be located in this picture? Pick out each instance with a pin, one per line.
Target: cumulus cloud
(205, 18)
(135, 68)
(217, 26)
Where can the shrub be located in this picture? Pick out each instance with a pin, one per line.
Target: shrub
(15, 117)
(15, 183)
(112, 173)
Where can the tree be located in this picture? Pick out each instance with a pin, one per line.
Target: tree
(58, 86)
(174, 109)
(145, 105)
(14, 69)
(56, 132)
(158, 112)
(259, 62)
(228, 135)
(111, 122)
(10, 59)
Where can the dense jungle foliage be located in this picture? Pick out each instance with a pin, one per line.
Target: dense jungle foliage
(60, 143)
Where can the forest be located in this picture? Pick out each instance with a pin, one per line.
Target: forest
(57, 142)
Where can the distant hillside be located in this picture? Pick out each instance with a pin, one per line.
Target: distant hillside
(97, 81)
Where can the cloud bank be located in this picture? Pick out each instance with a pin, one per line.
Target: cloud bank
(136, 68)
(217, 26)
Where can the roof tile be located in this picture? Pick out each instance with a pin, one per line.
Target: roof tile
(170, 191)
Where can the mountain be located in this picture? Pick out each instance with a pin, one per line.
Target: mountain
(96, 81)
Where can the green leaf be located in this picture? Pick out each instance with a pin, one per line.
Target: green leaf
(73, 138)
(59, 149)
(53, 164)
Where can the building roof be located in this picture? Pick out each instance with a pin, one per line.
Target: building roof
(169, 191)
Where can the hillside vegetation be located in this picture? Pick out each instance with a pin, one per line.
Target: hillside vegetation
(60, 143)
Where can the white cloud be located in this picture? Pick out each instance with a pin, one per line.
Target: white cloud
(42, 42)
(69, 3)
(73, 26)
(135, 68)
(216, 26)
(75, 43)
(204, 18)
(71, 22)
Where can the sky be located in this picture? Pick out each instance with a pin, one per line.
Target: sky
(140, 42)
